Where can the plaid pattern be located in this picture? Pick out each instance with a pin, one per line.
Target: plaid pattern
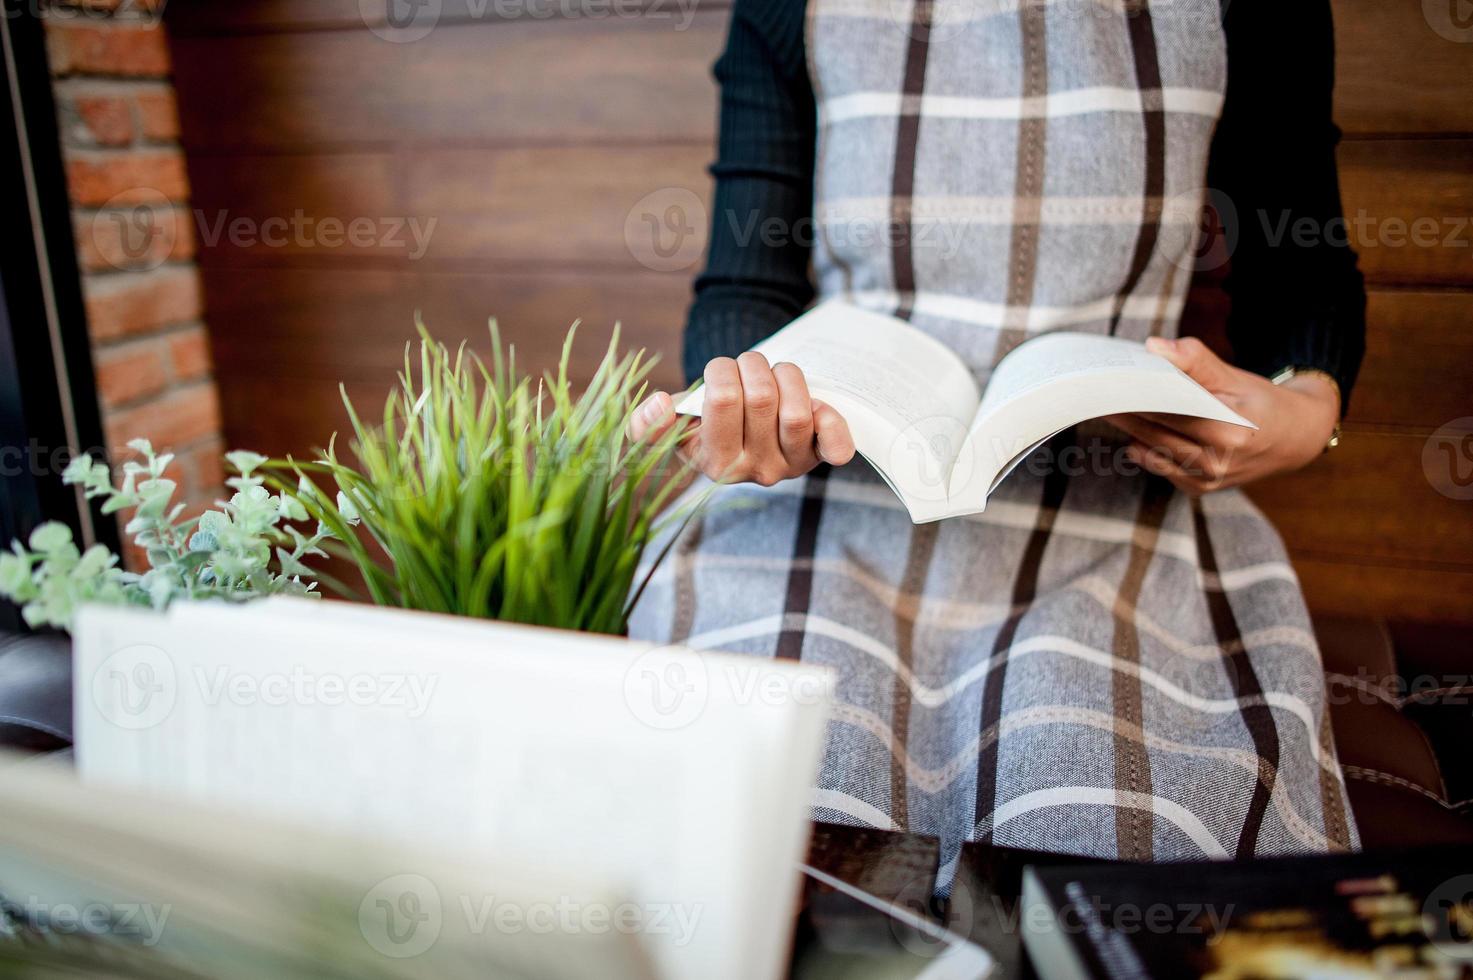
(1097, 664)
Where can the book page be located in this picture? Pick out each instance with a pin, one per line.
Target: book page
(589, 754)
(1057, 380)
(908, 399)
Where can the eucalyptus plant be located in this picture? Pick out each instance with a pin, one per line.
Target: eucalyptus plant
(223, 553)
(481, 492)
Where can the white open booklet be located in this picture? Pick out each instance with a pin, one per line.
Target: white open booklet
(917, 415)
(116, 883)
(682, 779)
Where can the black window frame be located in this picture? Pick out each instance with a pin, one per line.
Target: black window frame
(48, 391)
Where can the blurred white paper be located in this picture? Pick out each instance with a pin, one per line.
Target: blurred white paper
(682, 778)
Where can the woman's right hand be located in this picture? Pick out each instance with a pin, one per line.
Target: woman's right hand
(758, 425)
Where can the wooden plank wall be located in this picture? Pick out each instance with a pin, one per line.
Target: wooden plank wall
(538, 144)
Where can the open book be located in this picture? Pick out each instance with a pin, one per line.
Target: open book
(917, 415)
(680, 780)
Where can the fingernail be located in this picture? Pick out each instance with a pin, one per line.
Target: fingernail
(1159, 344)
(651, 411)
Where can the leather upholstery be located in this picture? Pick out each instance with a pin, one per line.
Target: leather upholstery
(35, 691)
(1400, 708)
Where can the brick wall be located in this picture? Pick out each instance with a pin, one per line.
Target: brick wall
(125, 170)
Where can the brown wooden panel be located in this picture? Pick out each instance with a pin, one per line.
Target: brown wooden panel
(619, 80)
(194, 17)
(557, 204)
(352, 325)
(210, 17)
(1408, 205)
(625, 80)
(1370, 499)
(1395, 73)
(285, 90)
(1387, 592)
(289, 207)
(1418, 370)
(531, 206)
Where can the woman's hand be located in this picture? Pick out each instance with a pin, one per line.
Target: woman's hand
(759, 424)
(1295, 421)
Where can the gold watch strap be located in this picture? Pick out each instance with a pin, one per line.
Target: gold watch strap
(1292, 371)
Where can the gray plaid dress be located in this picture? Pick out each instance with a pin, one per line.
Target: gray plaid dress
(1097, 664)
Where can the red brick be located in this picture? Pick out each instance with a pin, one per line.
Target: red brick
(106, 120)
(189, 353)
(130, 372)
(133, 303)
(172, 421)
(158, 114)
(90, 47)
(143, 237)
(132, 177)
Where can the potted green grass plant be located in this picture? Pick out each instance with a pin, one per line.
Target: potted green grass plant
(479, 491)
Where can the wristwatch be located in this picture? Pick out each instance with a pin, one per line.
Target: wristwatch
(1292, 371)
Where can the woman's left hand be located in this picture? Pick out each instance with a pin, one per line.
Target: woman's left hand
(1295, 421)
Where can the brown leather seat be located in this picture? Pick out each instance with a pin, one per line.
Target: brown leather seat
(1400, 701)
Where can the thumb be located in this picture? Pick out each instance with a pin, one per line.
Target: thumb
(652, 417)
(1193, 358)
